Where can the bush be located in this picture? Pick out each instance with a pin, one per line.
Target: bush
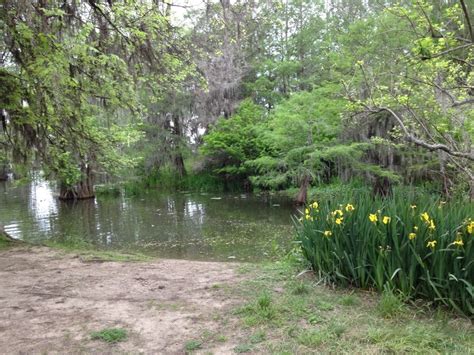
(415, 244)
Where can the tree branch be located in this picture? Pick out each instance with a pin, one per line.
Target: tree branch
(411, 138)
(464, 102)
(97, 8)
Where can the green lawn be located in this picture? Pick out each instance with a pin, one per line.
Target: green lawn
(282, 314)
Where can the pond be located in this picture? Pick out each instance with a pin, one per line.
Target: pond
(178, 225)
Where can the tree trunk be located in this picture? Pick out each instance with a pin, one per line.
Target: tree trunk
(84, 189)
(178, 156)
(179, 165)
(303, 193)
(4, 172)
(382, 187)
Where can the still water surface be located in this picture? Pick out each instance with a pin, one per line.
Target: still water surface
(178, 225)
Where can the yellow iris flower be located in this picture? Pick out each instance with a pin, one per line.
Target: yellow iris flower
(386, 220)
(412, 236)
(432, 225)
(470, 228)
(431, 244)
(339, 220)
(349, 207)
(327, 233)
(458, 242)
(373, 218)
(425, 217)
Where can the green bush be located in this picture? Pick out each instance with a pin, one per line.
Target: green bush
(413, 243)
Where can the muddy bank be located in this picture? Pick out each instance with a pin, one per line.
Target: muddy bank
(51, 302)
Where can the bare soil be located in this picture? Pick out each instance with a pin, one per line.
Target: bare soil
(50, 302)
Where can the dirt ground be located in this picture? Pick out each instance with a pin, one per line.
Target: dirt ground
(51, 302)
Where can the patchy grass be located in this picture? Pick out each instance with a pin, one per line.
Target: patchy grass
(110, 335)
(86, 251)
(192, 345)
(243, 348)
(349, 300)
(286, 315)
(6, 242)
(89, 253)
(390, 304)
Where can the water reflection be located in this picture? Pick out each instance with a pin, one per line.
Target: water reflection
(195, 226)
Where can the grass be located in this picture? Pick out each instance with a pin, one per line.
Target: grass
(5, 243)
(192, 345)
(284, 315)
(86, 251)
(110, 335)
(390, 304)
(243, 348)
(89, 252)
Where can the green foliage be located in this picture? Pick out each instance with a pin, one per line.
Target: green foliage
(296, 129)
(424, 251)
(73, 90)
(233, 141)
(110, 335)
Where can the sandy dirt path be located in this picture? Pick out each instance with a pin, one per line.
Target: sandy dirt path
(51, 302)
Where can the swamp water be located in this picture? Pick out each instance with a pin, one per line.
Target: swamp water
(178, 225)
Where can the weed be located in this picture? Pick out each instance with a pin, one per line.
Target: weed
(110, 335)
(299, 288)
(325, 306)
(349, 300)
(243, 348)
(389, 304)
(221, 338)
(313, 338)
(315, 319)
(264, 301)
(257, 337)
(192, 345)
(337, 329)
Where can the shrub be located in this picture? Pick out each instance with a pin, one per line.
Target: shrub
(411, 243)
